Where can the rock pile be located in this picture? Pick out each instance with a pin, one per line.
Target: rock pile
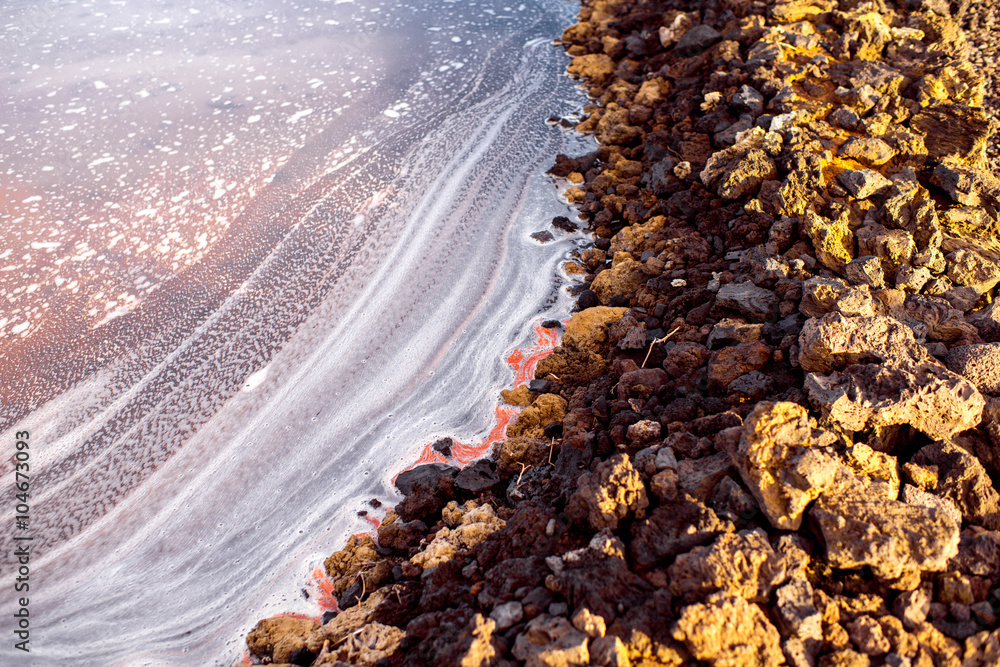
(769, 436)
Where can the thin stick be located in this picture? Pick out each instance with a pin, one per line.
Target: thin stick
(655, 341)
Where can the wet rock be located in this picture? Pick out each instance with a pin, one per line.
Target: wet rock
(924, 395)
(358, 557)
(748, 299)
(400, 535)
(782, 461)
(863, 183)
(517, 454)
(860, 526)
(608, 495)
(430, 476)
(835, 342)
(728, 630)
(587, 330)
(741, 564)
(963, 480)
(477, 478)
(278, 637)
(672, 529)
(519, 396)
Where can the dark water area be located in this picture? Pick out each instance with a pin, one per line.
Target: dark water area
(255, 255)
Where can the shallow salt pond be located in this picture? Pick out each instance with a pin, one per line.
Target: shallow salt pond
(256, 256)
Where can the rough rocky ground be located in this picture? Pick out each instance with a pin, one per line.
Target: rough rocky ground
(769, 435)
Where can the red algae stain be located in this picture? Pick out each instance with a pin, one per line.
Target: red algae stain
(523, 362)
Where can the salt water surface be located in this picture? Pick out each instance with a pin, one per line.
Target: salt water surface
(255, 256)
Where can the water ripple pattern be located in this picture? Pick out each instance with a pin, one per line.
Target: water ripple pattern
(256, 255)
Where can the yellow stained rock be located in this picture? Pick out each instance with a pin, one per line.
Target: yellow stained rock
(532, 421)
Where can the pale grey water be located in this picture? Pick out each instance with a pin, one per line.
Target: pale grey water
(255, 255)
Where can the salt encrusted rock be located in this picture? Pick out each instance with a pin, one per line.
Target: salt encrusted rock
(532, 421)
(608, 495)
(863, 183)
(741, 564)
(980, 364)
(551, 640)
(963, 480)
(471, 525)
(595, 67)
(280, 636)
(860, 526)
(782, 461)
(726, 630)
(925, 395)
(587, 330)
(622, 279)
(749, 299)
(834, 342)
(368, 645)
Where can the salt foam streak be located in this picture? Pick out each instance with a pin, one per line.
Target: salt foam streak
(196, 452)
